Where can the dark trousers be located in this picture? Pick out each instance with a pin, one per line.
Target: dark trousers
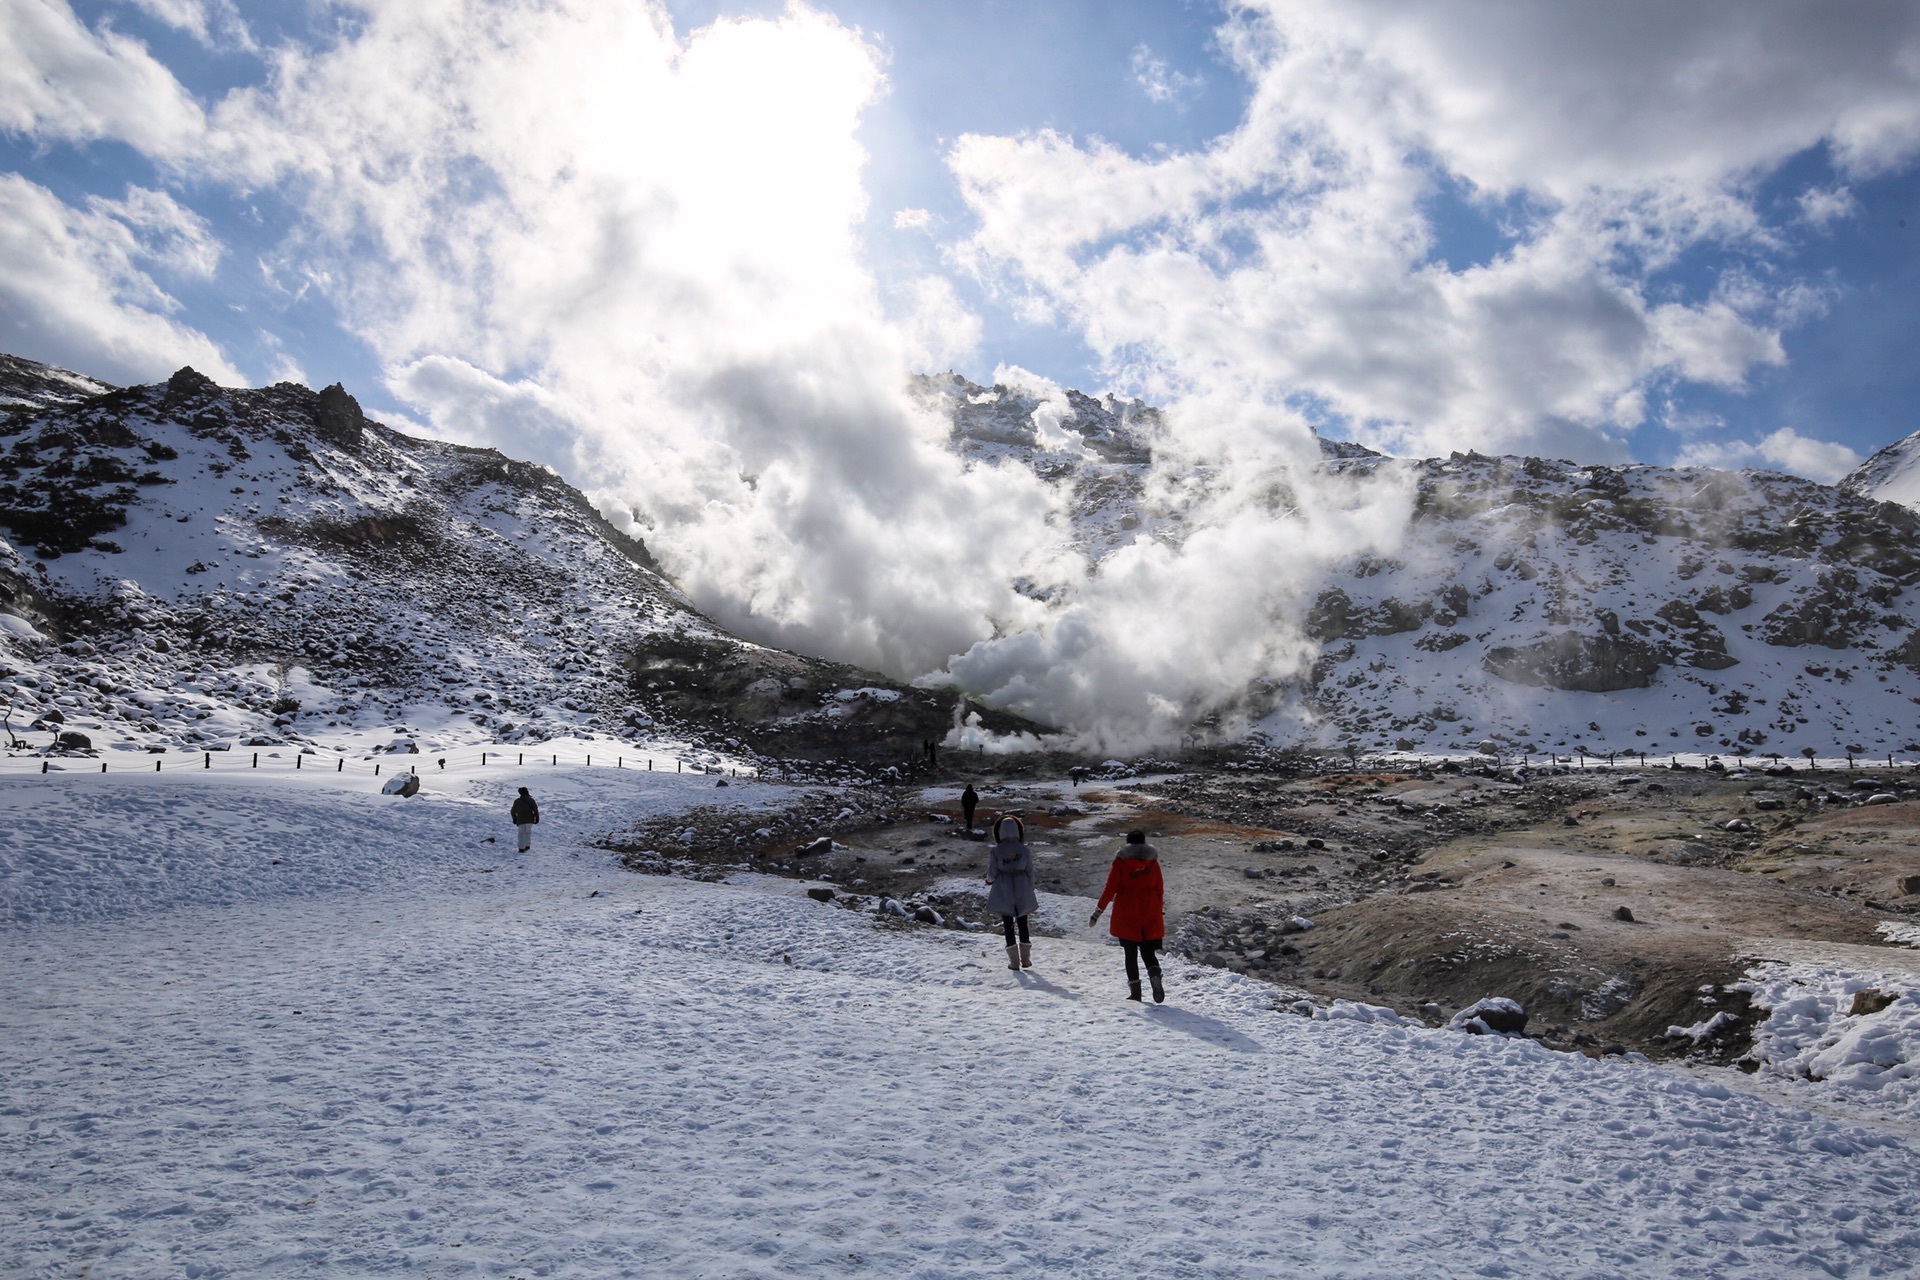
(1007, 923)
(1135, 950)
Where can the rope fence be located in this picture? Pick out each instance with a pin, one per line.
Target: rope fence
(334, 764)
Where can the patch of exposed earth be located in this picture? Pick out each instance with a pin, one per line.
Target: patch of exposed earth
(1613, 905)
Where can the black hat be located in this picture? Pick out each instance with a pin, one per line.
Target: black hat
(1136, 837)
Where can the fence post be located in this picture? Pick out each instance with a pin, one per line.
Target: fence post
(340, 765)
(206, 759)
(523, 757)
(679, 766)
(556, 759)
(589, 762)
(103, 766)
(156, 766)
(649, 764)
(256, 759)
(376, 770)
(43, 766)
(296, 762)
(483, 759)
(619, 762)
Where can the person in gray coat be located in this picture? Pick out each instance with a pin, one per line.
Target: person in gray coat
(1010, 892)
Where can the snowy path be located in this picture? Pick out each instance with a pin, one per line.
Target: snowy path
(425, 1067)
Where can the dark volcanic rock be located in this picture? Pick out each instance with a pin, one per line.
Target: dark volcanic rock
(337, 417)
(1833, 615)
(1569, 660)
(1496, 1014)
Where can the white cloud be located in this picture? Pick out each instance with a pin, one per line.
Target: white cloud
(1784, 450)
(1815, 459)
(1169, 630)
(939, 330)
(636, 257)
(166, 231)
(1294, 255)
(189, 16)
(58, 80)
(1822, 206)
(912, 220)
(73, 291)
(1158, 81)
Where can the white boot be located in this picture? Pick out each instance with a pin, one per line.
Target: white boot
(1013, 958)
(1026, 955)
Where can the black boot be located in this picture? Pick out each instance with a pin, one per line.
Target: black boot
(1133, 991)
(1159, 992)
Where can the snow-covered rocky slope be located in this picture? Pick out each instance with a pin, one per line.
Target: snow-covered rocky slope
(1891, 475)
(189, 565)
(1544, 606)
(1548, 606)
(186, 565)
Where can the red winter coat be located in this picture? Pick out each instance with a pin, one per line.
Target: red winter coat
(1135, 889)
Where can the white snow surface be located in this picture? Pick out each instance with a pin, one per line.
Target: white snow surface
(1813, 1039)
(270, 1024)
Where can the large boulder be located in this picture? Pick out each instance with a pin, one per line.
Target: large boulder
(1496, 1015)
(1583, 664)
(338, 419)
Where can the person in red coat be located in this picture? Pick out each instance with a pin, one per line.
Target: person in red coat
(1137, 893)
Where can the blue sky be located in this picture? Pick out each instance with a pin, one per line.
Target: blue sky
(1405, 352)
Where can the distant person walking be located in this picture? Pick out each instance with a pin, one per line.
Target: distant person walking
(526, 816)
(1010, 892)
(969, 801)
(1138, 894)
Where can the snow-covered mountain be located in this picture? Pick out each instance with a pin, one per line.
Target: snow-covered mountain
(1545, 606)
(188, 565)
(1891, 475)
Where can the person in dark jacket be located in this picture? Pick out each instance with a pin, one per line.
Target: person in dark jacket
(1137, 893)
(526, 816)
(969, 801)
(1010, 892)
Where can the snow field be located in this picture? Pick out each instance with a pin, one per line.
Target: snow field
(423, 1053)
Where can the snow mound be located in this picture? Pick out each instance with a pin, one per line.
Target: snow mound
(1840, 1031)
